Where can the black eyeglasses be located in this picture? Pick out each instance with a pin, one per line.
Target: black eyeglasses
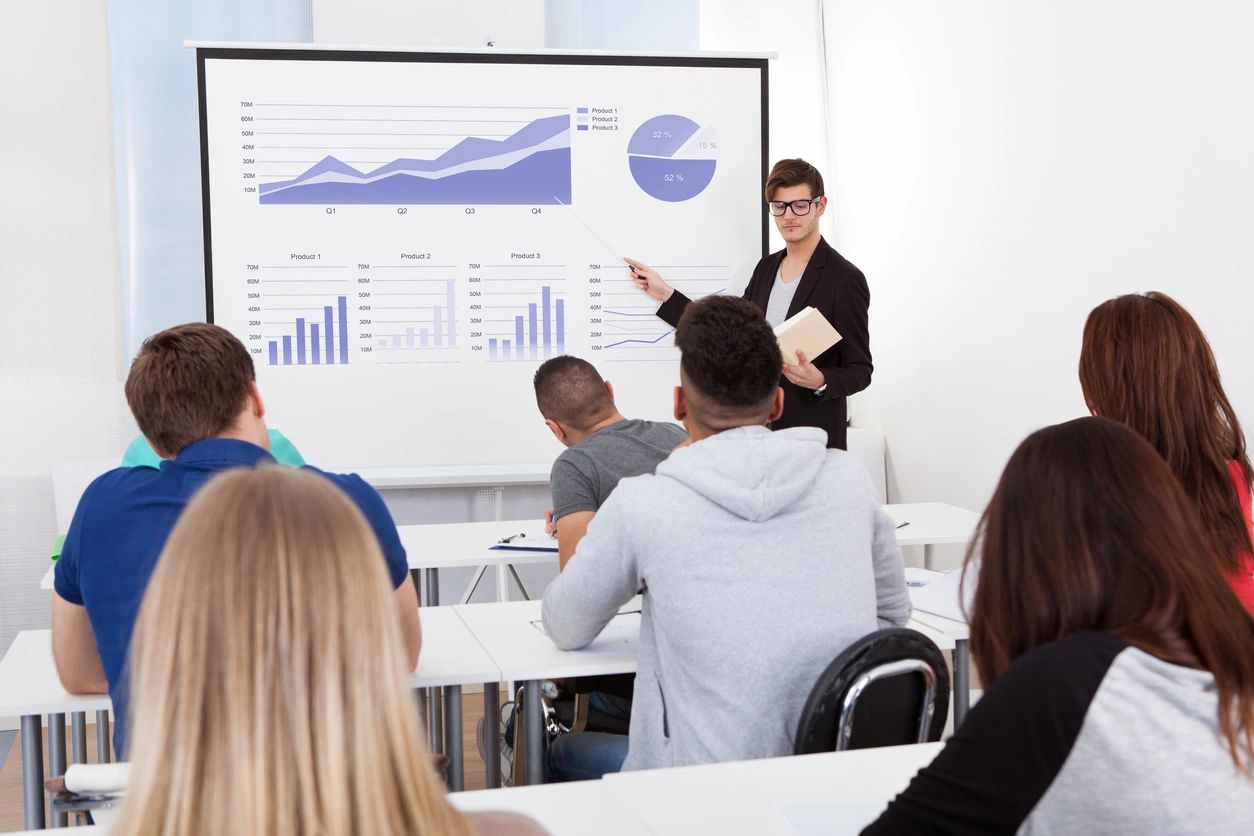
(799, 207)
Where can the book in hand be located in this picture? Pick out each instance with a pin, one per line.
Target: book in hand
(807, 331)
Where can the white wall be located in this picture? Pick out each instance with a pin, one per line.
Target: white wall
(798, 116)
(517, 24)
(60, 399)
(1002, 168)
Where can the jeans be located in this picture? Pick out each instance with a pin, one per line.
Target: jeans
(585, 756)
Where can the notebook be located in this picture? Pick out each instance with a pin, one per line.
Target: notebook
(808, 331)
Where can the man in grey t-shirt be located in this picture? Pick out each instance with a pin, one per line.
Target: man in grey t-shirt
(602, 446)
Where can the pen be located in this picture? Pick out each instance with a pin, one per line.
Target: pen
(904, 524)
(512, 537)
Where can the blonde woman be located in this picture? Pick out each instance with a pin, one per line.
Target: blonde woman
(268, 677)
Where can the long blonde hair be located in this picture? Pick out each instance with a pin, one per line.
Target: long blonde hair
(269, 686)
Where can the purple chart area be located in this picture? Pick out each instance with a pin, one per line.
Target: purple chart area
(671, 158)
(529, 166)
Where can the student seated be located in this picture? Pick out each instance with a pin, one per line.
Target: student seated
(194, 395)
(1146, 363)
(269, 679)
(1118, 667)
(762, 556)
(603, 448)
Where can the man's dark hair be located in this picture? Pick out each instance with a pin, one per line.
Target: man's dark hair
(731, 357)
(796, 172)
(188, 383)
(571, 391)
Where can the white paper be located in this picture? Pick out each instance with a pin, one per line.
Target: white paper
(941, 597)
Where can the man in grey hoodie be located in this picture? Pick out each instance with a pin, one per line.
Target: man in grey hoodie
(761, 555)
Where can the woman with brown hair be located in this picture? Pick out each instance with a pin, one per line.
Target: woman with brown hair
(1119, 672)
(268, 677)
(1146, 363)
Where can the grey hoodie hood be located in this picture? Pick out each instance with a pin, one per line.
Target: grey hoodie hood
(750, 471)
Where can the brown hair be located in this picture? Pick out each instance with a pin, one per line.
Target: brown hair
(793, 173)
(269, 679)
(572, 391)
(188, 383)
(1088, 530)
(1145, 362)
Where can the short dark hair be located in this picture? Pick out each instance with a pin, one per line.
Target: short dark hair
(188, 383)
(729, 354)
(571, 390)
(796, 172)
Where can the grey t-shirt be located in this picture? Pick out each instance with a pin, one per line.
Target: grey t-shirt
(781, 297)
(584, 475)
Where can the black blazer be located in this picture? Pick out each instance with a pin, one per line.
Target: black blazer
(839, 291)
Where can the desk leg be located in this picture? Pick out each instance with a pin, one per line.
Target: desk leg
(474, 584)
(56, 757)
(437, 720)
(32, 772)
(78, 723)
(431, 587)
(492, 735)
(453, 738)
(502, 583)
(435, 726)
(533, 700)
(927, 556)
(102, 736)
(962, 681)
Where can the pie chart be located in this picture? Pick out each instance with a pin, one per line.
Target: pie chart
(672, 158)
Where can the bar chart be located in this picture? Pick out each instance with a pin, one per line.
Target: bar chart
(314, 341)
(530, 328)
(406, 323)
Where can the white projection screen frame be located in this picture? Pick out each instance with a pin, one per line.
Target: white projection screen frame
(401, 238)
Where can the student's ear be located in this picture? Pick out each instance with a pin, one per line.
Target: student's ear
(609, 387)
(556, 429)
(777, 408)
(819, 208)
(255, 404)
(681, 405)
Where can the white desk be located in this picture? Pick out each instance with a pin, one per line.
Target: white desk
(525, 654)
(30, 687)
(932, 524)
(847, 789)
(573, 809)
(438, 546)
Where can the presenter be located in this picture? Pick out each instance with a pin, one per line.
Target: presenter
(808, 271)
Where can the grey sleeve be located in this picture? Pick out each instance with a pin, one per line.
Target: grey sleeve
(601, 576)
(891, 596)
(573, 483)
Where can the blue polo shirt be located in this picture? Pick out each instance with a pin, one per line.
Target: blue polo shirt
(121, 525)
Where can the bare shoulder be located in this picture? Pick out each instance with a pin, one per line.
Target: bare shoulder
(500, 823)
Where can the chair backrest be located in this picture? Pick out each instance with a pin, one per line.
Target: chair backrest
(886, 689)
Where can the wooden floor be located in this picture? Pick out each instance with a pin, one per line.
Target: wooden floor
(11, 773)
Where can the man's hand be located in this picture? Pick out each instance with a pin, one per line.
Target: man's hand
(804, 373)
(550, 527)
(648, 280)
